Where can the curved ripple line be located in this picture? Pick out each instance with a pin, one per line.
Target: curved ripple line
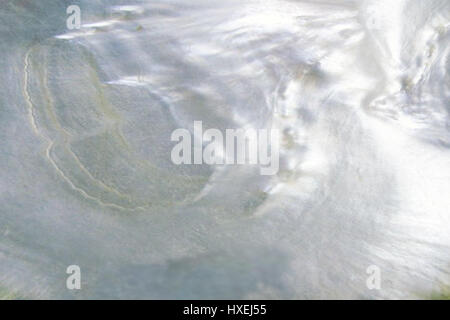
(50, 142)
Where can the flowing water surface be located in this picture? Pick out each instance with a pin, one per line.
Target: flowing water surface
(358, 89)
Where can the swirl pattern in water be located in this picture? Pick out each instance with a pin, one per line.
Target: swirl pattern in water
(359, 91)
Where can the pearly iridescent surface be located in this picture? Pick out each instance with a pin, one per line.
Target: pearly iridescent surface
(360, 90)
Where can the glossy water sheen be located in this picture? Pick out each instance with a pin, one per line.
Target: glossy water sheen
(359, 89)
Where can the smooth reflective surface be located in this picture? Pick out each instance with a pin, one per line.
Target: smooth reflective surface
(359, 90)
